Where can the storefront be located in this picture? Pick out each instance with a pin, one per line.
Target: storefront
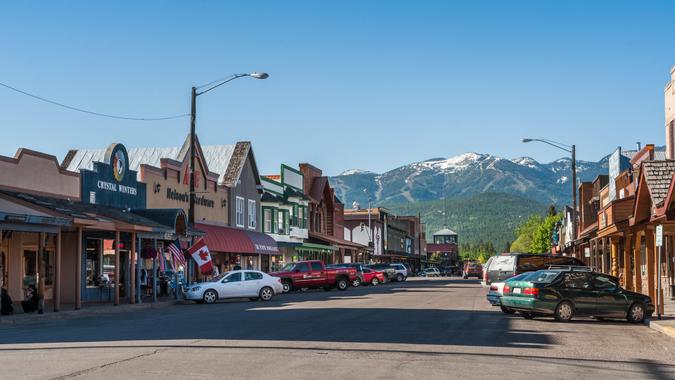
(233, 247)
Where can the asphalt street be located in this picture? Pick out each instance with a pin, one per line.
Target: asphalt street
(423, 328)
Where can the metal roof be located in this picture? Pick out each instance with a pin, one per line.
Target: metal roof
(445, 231)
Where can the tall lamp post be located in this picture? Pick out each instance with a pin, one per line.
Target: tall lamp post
(572, 150)
(196, 91)
(370, 230)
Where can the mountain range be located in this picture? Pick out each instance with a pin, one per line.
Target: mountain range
(465, 175)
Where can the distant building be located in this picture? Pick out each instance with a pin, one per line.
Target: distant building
(445, 243)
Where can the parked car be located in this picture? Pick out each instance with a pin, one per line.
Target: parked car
(430, 272)
(495, 294)
(359, 271)
(250, 284)
(452, 270)
(574, 291)
(508, 265)
(313, 274)
(389, 271)
(472, 269)
(372, 276)
(401, 272)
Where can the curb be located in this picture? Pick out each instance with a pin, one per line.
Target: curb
(661, 327)
(84, 313)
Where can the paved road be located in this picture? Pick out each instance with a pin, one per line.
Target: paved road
(429, 329)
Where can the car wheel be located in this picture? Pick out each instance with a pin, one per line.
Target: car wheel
(266, 293)
(636, 313)
(399, 278)
(374, 281)
(528, 315)
(342, 284)
(210, 296)
(287, 286)
(506, 310)
(356, 282)
(564, 312)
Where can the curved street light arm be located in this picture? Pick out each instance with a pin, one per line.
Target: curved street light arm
(555, 144)
(222, 82)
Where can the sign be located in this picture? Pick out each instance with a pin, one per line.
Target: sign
(587, 252)
(111, 183)
(659, 235)
(614, 164)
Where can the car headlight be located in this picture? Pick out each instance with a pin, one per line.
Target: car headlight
(195, 288)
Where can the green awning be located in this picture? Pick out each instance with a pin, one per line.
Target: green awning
(312, 247)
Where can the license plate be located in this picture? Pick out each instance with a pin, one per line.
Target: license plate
(516, 290)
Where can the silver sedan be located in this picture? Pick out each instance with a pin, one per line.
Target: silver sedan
(251, 284)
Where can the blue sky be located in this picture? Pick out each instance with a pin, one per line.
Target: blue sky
(353, 84)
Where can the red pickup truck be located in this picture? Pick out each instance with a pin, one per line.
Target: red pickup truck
(313, 274)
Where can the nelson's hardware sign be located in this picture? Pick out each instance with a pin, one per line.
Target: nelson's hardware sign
(111, 183)
(185, 197)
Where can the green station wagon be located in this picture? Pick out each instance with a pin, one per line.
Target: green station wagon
(574, 291)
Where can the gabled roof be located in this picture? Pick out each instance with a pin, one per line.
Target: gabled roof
(658, 175)
(319, 186)
(227, 161)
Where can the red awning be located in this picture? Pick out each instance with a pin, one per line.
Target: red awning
(233, 240)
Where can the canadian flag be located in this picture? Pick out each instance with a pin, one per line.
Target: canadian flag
(200, 253)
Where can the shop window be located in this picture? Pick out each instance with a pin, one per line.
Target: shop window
(643, 258)
(240, 212)
(3, 269)
(252, 214)
(49, 267)
(29, 267)
(93, 264)
(267, 220)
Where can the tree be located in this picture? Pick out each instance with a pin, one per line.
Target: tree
(525, 234)
(541, 240)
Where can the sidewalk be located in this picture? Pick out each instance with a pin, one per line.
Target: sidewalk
(68, 312)
(667, 324)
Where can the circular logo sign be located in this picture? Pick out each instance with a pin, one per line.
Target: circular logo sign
(118, 160)
(119, 165)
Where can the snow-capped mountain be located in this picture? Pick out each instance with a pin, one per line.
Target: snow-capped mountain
(464, 175)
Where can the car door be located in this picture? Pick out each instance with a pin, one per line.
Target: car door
(317, 273)
(610, 302)
(577, 287)
(252, 284)
(301, 275)
(231, 286)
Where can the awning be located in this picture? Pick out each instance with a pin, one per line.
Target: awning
(311, 247)
(233, 240)
(336, 241)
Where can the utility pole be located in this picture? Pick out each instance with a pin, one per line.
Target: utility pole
(193, 115)
(574, 193)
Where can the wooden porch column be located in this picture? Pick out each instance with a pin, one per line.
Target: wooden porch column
(627, 279)
(651, 264)
(41, 272)
(116, 298)
(132, 268)
(57, 273)
(637, 256)
(614, 241)
(78, 271)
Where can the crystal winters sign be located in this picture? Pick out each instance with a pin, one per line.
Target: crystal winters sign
(111, 183)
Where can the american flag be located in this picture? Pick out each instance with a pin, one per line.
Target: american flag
(177, 253)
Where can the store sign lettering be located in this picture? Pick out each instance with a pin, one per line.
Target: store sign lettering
(185, 197)
(109, 186)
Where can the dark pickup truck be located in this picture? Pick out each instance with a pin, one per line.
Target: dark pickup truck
(313, 274)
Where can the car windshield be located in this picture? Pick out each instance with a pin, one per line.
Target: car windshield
(502, 263)
(288, 267)
(220, 277)
(543, 276)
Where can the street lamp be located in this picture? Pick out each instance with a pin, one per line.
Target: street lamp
(572, 150)
(193, 115)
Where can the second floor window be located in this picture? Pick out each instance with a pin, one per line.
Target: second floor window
(252, 214)
(267, 220)
(240, 212)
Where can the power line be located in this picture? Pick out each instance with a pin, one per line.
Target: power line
(92, 112)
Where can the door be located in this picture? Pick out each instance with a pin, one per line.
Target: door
(317, 274)
(577, 287)
(301, 275)
(610, 302)
(231, 286)
(252, 283)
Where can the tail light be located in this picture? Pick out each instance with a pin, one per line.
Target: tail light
(485, 275)
(531, 291)
(493, 288)
(506, 289)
